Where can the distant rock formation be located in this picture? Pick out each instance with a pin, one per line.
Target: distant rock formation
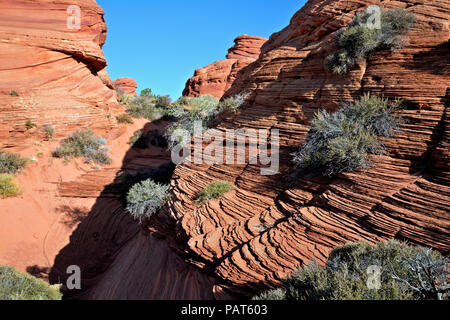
(215, 79)
(126, 85)
(50, 74)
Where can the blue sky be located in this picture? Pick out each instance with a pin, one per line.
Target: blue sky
(161, 43)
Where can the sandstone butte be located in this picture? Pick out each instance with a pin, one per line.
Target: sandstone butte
(126, 85)
(257, 234)
(216, 78)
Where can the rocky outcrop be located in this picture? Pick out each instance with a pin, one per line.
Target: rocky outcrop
(215, 79)
(126, 85)
(50, 73)
(257, 234)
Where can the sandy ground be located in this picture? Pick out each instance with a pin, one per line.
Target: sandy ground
(35, 226)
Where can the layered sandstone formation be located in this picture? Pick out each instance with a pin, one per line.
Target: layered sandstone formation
(126, 85)
(216, 78)
(50, 73)
(269, 225)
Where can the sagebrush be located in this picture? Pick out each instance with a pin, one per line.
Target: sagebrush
(202, 110)
(84, 143)
(12, 163)
(345, 140)
(406, 273)
(360, 39)
(145, 199)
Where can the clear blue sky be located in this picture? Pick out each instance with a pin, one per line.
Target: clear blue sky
(161, 43)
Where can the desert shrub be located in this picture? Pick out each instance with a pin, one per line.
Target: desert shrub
(125, 118)
(83, 143)
(163, 102)
(8, 188)
(145, 199)
(19, 286)
(29, 125)
(345, 140)
(146, 92)
(359, 40)
(214, 190)
(406, 272)
(49, 131)
(11, 163)
(202, 110)
(13, 93)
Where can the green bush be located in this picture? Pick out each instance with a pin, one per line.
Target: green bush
(146, 92)
(84, 143)
(343, 141)
(49, 131)
(19, 286)
(358, 41)
(406, 272)
(8, 188)
(146, 198)
(13, 93)
(125, 118)
(11, 163)
(204, 109)
(214, 190)
(29, 125)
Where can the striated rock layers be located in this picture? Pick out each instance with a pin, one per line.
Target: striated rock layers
(267, 226)
(50, 73)
(258, 233)
(215, 79)
(126, 85)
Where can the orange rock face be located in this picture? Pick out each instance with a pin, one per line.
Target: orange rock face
(126, 85)
(215, 79)
(258, 233)
(57, 70)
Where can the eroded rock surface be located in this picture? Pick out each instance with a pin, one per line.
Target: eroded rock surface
(257, 234)
(216, 78)
(50, 74)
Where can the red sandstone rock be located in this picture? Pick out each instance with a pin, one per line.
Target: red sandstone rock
(258, 233)
(216, 78)
(126, 85)
(59, 73)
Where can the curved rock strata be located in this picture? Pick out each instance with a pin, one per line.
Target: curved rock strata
(258, 233)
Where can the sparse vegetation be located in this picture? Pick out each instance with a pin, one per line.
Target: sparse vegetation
(343, 141)
(147, 105)
(146, 198)
(29, 125)
(84, 143)
(49, 131)
(8, 187)
(19, 286)
(13, 93)
(11, 163)
(406, 273)
(203, 110)
(214, 190)
(360, 39)
(125, 118)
